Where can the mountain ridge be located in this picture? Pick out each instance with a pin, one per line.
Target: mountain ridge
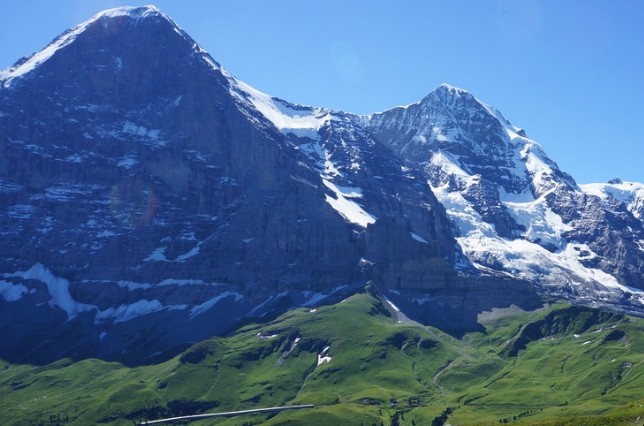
(153, 187)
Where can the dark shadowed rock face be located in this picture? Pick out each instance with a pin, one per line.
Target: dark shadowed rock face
(150, 200)
(148, 203)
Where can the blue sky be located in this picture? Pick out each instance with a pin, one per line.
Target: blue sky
(569, 72)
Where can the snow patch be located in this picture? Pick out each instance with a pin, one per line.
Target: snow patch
(12, 292)
(419, 238)
(57, 287)
(126, 312)
(188, 255)
(314, 298)
(323, 357)
(158, 255)
(200, 309)
(394, 307)
(348, 209)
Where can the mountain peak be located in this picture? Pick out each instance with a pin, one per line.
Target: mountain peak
(136, 13)
(103, 25)
(131, 11)
(445, 87)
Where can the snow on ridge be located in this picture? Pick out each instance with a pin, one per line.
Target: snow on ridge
(452, 89)
(135, 12)
(394, 307)
(287, 118)
(131, 11)
(629, 193)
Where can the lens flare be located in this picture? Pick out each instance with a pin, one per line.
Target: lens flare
(133, 202)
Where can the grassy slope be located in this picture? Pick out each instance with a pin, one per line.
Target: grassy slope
(562, 365)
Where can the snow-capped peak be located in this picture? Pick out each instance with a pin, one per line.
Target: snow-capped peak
(451, 89)
(26, 65)
(132, 11)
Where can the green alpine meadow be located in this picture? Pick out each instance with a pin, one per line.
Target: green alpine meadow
(361, 363)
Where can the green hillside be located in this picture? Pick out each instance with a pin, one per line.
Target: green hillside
(562, 365)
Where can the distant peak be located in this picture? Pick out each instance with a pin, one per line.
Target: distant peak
(447, 94)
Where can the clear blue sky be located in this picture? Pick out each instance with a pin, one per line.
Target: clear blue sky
(570, 72)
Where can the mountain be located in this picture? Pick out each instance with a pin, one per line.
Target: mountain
(513, 210)
(151, 200)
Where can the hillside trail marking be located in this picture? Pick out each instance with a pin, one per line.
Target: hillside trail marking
(227, 414)
(441, 370)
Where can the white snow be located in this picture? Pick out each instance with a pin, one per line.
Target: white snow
(541, 223)
(12, 292)
(349, 209)
(126, 312)
(193, 252)
(394, 307)
(629, 193)
(298, 120)
(449, 165)
(270, 336)
(58, 289)
(267, 301)
(323, 357)
(523, 258)
(200, 309)
(313, 298)
(158, 255)
(419, 238)
(10, 74)
(182, 282)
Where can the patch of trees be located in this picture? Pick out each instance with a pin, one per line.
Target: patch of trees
(518, 416)
(442, 419)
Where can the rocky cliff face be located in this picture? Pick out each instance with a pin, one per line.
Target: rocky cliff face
(150, 199)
